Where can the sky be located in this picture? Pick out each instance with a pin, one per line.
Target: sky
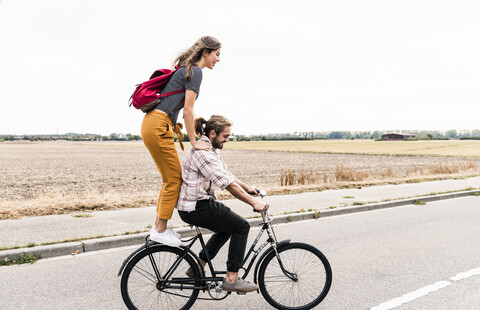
(285, 66)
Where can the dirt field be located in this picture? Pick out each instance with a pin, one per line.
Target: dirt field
(59, 177)
(457, 148)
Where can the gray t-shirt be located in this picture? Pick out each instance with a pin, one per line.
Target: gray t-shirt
(174, 103)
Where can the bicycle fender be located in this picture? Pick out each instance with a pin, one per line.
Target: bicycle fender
(197, 259)
(264, 254)
(151, 244)
(129, 258)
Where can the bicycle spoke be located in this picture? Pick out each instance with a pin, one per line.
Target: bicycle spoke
(142, 290)
(306, 289)
(145, 274)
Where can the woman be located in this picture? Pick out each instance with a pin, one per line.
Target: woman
(160, 125)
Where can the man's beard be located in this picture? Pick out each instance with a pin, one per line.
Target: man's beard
(216, 144)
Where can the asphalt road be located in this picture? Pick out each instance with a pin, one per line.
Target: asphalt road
(412, 257)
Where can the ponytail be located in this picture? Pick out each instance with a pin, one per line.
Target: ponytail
(199, 125)
(216, 123)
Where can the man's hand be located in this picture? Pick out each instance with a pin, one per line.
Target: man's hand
(252, 190)
(241, 193)
(260, 206)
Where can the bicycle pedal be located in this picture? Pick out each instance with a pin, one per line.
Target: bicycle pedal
(241, 293)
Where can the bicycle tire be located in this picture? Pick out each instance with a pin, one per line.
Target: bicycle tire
(139, 282)
(313, 271)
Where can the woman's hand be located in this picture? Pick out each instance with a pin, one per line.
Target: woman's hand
(201, 145)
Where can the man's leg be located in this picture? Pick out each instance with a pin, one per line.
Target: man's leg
(204, 217)
(220, 219)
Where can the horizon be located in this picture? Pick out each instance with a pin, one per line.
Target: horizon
(402, 131)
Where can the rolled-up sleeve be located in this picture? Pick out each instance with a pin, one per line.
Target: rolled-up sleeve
(213, 169)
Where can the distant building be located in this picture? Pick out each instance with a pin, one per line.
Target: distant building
(396, 136)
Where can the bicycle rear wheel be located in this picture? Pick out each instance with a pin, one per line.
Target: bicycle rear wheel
(141, 289)
(311, 273)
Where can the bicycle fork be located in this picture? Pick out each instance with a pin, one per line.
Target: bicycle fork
(273, 237)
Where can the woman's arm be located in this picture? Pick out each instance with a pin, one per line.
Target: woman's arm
(188, 116)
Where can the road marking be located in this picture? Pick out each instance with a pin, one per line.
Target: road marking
(465, 275)
(411, 296)
(86, 254)
(396, 302)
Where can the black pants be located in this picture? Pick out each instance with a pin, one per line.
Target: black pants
(217, 217)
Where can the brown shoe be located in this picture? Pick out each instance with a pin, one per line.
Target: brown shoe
(239, 285)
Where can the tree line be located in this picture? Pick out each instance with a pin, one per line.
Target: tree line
(377, 134)
(73, 137)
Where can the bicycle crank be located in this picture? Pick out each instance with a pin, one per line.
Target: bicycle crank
(216, 292)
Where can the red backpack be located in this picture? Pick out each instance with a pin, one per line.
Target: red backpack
(147, 95)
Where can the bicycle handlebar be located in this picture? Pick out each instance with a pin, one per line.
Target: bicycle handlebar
(261, 193)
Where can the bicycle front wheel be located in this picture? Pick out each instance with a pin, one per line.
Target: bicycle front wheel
(302, 283)
(142, 289)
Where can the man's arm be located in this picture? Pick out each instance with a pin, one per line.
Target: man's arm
(238, 192)
(252, 190)
(213, 170)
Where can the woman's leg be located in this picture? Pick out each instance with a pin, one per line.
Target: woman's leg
(157, 134)
(160, 224)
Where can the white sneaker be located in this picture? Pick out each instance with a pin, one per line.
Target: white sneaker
(168, 237)
(173, 232)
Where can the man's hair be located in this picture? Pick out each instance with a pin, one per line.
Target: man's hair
(216, 123)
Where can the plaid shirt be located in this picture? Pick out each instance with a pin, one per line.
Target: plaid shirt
(201, 172)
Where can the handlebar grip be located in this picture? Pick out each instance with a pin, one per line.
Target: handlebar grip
(255, 210)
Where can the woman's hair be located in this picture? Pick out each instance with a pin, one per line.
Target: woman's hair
(216, 123)
(195, 52)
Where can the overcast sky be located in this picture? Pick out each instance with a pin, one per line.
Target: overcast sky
(70, 66)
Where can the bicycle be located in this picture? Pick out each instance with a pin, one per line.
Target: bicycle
(290, 275)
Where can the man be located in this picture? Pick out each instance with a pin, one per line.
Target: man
(197, 205)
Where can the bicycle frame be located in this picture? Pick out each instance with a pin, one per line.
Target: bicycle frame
(189, 283)
(174, 272)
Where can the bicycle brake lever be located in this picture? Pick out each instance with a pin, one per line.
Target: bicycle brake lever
(261, 193)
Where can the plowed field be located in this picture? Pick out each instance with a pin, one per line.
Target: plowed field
(57, 177)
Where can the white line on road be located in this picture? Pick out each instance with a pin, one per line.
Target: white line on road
(394, 303)
(465, 275)
(411, 296)
(86, 254)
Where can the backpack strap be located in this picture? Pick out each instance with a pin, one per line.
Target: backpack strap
(175, 92)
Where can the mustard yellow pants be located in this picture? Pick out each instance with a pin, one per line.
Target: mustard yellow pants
(158, 134)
